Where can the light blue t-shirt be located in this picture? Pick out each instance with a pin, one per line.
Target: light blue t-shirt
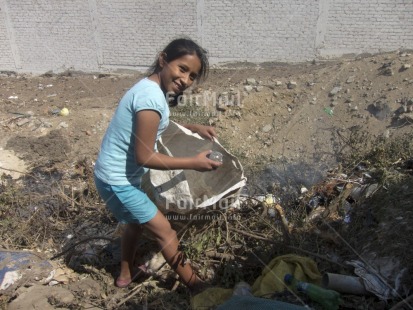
(116, 163)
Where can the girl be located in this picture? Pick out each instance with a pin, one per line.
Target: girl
(128, 150)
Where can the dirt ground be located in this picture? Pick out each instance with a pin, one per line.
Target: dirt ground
(290, 112)
(276, 118)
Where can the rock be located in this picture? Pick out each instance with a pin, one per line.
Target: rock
(212, 121)
(248, 88)
(63, 125)
(259, 88)
(251, 81)
(388, 72)
(350, 79)
(266, 128)
(278, 83)
(238, 114)
(334, 91)
(291, 85)
(22, 121)
(405, 67)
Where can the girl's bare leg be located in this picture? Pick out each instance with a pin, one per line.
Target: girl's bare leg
(160, 227)
(128, 249)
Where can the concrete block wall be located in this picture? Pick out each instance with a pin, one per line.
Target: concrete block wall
(246, 30)
(355, 26)
(132, 32)
(6, 54)
(98, 35)
(51, 34)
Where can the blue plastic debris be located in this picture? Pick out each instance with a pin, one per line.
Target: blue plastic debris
(15, 265)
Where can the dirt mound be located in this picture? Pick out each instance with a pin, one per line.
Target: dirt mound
(52, 147)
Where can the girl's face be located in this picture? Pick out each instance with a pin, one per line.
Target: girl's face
(179, 74)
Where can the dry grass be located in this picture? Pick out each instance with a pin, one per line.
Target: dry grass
(39, 211)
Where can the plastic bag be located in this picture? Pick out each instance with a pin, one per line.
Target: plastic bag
(21, 266)
(183, 191)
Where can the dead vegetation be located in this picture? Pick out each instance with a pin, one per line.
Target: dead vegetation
(360, 210)
(362, 207)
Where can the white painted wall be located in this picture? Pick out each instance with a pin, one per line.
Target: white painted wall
(97, 35)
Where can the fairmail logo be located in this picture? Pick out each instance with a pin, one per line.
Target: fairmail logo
(189, 205)
(209, 99)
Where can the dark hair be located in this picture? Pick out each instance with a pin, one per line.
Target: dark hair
(178, 48)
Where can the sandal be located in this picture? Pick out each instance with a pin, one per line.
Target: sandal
(125, 283)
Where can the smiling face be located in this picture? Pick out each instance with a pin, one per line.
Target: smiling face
(178, 74)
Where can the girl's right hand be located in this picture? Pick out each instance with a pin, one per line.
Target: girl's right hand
(203, 163)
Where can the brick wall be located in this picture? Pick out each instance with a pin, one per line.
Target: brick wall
(97, 35)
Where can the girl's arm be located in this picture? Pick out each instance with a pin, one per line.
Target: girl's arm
(147, 122)
(206, 132)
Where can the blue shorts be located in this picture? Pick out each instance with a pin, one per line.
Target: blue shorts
(128, 203)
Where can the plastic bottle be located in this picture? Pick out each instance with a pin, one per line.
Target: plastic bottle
(242, 289)
(216, 156)
(329, 299)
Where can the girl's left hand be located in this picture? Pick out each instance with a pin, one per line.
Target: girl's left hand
(206, 132)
